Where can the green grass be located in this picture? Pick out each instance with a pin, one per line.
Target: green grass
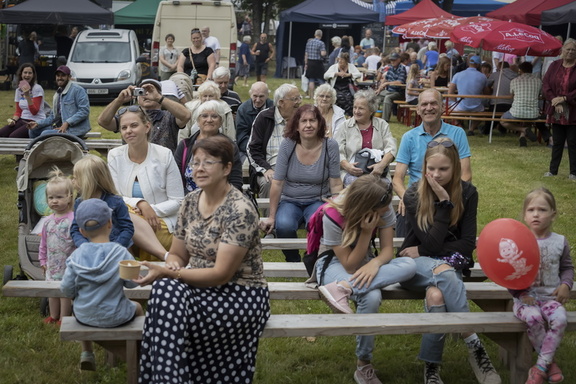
(31, 352)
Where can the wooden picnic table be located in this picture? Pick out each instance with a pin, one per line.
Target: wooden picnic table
(450, 107)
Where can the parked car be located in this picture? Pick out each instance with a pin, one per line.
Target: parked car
(104, 62)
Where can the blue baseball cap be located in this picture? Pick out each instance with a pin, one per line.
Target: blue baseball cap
(95, 210)
(475, 60)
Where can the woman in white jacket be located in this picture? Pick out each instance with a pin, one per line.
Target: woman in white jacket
(147, 177)
(341, 77)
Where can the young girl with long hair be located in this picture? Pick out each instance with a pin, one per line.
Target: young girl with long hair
(55, 241)
(413, 84)
(541, 306)
(441, 217)
(93, 180)
(354, 271)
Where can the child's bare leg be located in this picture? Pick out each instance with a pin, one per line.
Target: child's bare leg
(54, 304)
(65, 307)
(139, 309)
(145, 238)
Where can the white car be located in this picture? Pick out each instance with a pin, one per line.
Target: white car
(104, 62)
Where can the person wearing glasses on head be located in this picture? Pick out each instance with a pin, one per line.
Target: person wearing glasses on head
(267, 134)
(413, 146)
(210, 302)
(365, 141)
(147, 178)
(349, 268)
(168, 58)
(167, 116)
(209, 117)
(198, 61)
(441, 212)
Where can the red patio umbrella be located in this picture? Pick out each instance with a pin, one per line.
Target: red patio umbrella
(437, 27)
(508, 37)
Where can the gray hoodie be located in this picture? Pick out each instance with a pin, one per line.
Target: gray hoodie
(92, 280)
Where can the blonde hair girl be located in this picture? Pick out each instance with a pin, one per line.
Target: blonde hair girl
(348, 267)
(55, 241)
(93, 180)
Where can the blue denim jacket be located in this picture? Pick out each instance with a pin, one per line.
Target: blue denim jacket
(75, 111)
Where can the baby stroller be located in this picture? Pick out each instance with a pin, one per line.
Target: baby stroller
(39, 157)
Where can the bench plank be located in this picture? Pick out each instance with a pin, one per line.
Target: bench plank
(17, 146)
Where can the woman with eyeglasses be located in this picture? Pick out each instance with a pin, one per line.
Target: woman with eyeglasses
(210, 302)
(198, 60)
(147, 178)
(342, 77)
(324, 99)
(441, 216)
(208, 91)
(306, 172)
(349, 268)
(209, 118)
(365, 141)
(168, 58)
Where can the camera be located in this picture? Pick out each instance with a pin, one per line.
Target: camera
(138, 92)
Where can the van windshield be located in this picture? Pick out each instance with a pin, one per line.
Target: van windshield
(101, 52)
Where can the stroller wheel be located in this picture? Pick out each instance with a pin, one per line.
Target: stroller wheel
(44, 310)
(8, 270)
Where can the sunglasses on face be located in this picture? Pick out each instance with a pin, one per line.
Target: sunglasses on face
(445, 144)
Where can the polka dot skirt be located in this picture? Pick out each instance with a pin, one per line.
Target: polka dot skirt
(202, 335)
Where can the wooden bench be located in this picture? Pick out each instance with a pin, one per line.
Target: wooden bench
(502, 327)
(17, 146)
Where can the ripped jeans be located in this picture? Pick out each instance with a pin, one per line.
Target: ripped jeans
(450, 283)
(546, 321)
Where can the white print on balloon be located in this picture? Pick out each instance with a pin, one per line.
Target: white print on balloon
(511, 255)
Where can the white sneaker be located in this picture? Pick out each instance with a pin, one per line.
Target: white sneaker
(336, 296)
(366, 375)
(482, 366)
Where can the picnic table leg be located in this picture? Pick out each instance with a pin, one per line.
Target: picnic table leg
(132, 361)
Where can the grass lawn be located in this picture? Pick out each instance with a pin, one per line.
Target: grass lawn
(31, 352)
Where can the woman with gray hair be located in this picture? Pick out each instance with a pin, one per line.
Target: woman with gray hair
(324, 99)
(244, 60)
(365, 142)
(209, 118)
(342, 76)
(208, 91)
(336, 43)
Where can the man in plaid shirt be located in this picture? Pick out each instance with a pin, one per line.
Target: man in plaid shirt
(389, 89)
(526, 90)
(314, 52)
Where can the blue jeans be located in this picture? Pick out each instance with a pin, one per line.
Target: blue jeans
(368, 298)
(289, 216)
(450, 283)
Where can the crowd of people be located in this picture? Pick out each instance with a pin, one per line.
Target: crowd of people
(174, 193)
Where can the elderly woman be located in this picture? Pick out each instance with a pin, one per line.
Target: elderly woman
(559, 89)
(324, 98)
(29, 101)
(208, 91)
(341, 77)
(209, 118)
(336, 43)
(198, 61)
(210, 302)
(306, 172)
(147, 177)
(365, 137)
(244, 60)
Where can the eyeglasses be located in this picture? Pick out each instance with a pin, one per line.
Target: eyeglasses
(445, 144)
(207, 115)
(171, 55)
(294, 99)
(130, 108)
(206, 164)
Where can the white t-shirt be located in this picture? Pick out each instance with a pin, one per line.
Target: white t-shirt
(372, 62)
(212, 42)
(36, 91)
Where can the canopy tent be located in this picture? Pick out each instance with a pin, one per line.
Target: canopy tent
(139, 12)
(561, 15)
(56, 12)
(425, 9)
(526, 11)
(459, 8)
(298, 23)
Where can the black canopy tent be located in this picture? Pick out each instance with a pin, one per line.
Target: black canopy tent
(56, 12)
(298, 23)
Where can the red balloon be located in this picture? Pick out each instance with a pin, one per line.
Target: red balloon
(508, 253)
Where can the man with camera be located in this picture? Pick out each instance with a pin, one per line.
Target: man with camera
(71, 113)
(167, 116)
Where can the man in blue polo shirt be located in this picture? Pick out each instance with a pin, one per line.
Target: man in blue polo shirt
(413, 146)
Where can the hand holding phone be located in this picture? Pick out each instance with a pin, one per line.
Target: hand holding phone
(24, 86)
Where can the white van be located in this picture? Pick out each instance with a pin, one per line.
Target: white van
(104, 62)
(179, 17)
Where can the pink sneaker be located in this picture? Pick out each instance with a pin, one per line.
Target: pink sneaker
(536, 376)
(336, 296)
(554, 373)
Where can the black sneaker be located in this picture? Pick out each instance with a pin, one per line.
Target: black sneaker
(530, 135)
(523, 141)
(432, 374)
(482, 366)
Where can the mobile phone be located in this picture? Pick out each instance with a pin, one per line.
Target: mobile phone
(23, 84)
